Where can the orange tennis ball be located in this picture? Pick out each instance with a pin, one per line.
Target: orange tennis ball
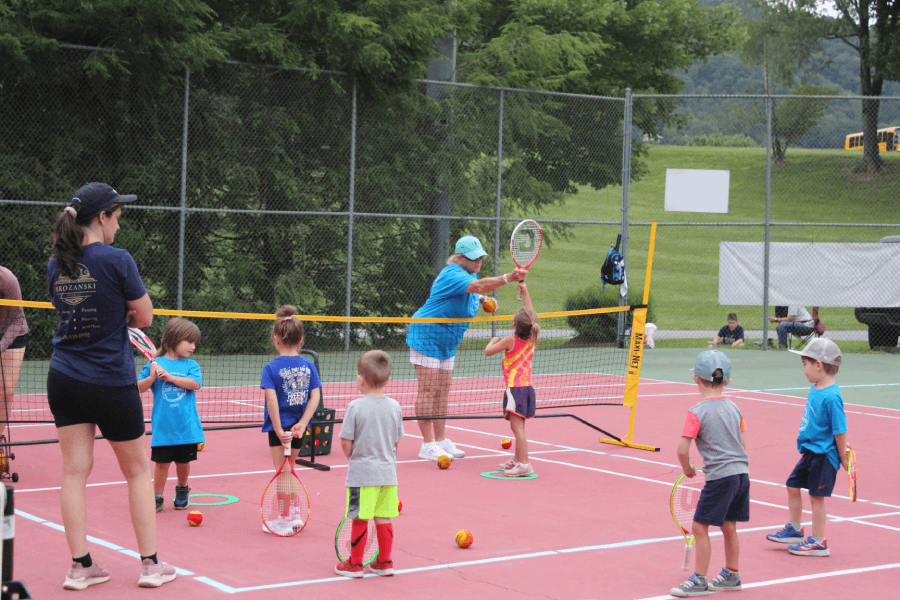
(200, 446)
(489, 305)
(464, 538)
(505, 443)
(399, 505)
(195, 517)
(443, 461)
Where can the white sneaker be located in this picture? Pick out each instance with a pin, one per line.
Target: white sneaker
(449, 448)
(296, 519)
(431, 451)
(278, 527)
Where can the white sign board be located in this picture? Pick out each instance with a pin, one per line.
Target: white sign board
(697, 190)
(810, 274)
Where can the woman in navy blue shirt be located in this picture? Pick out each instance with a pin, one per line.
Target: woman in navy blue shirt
(98, 293)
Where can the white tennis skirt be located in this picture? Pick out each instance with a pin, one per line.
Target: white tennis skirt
(417, 358)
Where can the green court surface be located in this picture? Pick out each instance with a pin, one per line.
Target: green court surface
(867, 379)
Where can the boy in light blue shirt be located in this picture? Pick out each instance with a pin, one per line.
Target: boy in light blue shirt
(822, 442)
(174, 378)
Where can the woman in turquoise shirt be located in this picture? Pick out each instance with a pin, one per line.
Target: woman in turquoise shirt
(454, 295)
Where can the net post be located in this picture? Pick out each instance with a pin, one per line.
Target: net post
(635, 356)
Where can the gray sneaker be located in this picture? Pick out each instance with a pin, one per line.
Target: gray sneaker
(450, 448)
(694, 586)
(154, 575)
(80, 577)
(726, 581)
(160, 500)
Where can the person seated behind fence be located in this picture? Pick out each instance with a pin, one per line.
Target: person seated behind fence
(732, 334)
(798, 322)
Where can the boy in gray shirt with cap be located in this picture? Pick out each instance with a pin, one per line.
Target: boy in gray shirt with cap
(717, 427)
(373, 426)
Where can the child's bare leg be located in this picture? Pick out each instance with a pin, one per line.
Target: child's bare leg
(702, 548)
(182, 471)
(819, 516)
(277, 455)
(795, 506)
(517, 424)
(160, 474)
(732, 545)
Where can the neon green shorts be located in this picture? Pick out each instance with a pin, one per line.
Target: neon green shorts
(373, 501)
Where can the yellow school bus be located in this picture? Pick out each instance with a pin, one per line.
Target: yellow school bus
(888, 140)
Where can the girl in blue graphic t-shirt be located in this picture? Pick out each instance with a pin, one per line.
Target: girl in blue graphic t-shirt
(293, 391)
(455, 294)
(174, 377)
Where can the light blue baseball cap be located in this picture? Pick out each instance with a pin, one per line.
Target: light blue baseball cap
(470, 247)
(707, 363)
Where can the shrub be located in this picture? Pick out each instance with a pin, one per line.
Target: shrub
(725, 141)
(602, 328)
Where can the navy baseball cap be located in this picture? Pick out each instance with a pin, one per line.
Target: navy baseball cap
(94, 197)
(470, 247)
(707, 363)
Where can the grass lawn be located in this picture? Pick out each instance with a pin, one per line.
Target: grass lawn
(813, 186)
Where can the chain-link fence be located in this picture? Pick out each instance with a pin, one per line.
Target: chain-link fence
(262, 186)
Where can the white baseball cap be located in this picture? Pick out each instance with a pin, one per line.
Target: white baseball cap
(821, 349)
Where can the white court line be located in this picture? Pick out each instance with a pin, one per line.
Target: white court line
(748, 586)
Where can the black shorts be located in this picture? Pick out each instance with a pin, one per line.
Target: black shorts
(179, 453)
(725, 499)
(815, 473)
(18, 342)
(296, 443)
(520, 401)
(116, 410)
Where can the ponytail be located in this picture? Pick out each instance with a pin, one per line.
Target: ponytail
(68, 234)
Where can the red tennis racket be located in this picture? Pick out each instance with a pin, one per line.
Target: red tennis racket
(343, 541)
(140, 341)
(851, 472)
(525, 244)
(285, 502)
(683, 503)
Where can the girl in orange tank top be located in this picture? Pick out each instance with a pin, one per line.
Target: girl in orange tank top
(518, 399)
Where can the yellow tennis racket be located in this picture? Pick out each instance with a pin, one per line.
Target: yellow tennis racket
(851, 472)
(683, 503)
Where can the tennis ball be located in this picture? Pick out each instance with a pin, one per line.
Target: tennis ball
(505, 443)
(399, 505)
(464, 538)
(200, 446)
(489, 305)
(195, 517)
(443, 461)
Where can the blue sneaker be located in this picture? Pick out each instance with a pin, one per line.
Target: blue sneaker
(181, 497)
(810, 548)
(788, 535)
(726, 581)
(694, 586)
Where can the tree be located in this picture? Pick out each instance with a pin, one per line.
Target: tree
(870, 27)
(792, 118)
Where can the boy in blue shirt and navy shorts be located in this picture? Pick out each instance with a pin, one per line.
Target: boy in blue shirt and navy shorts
(715, 424)
(822, 442)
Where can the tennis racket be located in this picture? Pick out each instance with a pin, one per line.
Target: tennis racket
(140, 341)
(525, 244)
(285, 502)
(343, 541)
(851, 472)
(683, 503)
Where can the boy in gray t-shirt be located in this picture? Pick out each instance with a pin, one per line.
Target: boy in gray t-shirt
(373, 426)
(717, 427)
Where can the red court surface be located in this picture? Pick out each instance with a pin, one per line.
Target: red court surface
(594, 524)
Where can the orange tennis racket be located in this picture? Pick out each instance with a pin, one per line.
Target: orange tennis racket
(285, 502)
(683, 503)
(851, 472)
